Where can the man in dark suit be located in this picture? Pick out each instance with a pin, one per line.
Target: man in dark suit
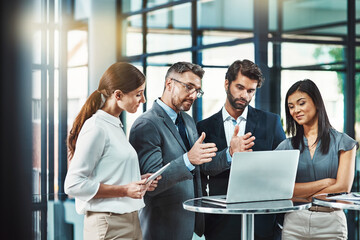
(257, 130)
(164, 134)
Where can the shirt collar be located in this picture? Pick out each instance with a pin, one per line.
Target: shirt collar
(226, 116)
(109, 118)
(169, 111)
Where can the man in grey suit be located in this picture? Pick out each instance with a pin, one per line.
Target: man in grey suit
(164, 134)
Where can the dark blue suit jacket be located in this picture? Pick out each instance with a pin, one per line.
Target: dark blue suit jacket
(268, 132)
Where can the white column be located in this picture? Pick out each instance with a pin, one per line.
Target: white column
(102, 39)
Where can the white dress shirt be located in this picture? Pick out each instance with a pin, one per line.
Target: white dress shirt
(229, 124)
(102, 155)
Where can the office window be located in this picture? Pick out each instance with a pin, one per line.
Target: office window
(309, 13)
(169, 29)
(77, 72)
(36, 129)
(134, 37)
(221, 14)
(154, 3)
(303, 54)
(131, 5)
(211, 37)
(328, 84)
(214, 92)
(224, 56)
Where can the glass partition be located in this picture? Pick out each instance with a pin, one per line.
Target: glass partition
(154, 3)
(214, 92)
(169, 59)
(155, 83)
(309, 13)
(133, 39)
(221, 14)
(224, 56)
(330, 88)
(36, 130)
(169, 29)
(131, 5)
(211, 36)
(304, 54)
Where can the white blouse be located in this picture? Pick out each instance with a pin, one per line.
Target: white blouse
(102, 155)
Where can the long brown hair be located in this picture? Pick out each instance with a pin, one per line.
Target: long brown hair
(119, 76)
(297, 131)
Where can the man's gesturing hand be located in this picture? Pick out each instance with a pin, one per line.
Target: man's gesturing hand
(202, 152)
(242, 143)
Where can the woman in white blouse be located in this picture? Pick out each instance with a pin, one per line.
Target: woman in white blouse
(103, 174)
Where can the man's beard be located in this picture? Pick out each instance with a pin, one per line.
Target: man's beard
(233, 103)
(179, 105)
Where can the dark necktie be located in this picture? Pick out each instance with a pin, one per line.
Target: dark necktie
(181, 127)
(199, 217)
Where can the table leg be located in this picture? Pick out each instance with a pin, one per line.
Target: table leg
(247, 227)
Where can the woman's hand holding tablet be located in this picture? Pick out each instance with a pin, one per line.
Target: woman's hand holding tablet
(158, 173)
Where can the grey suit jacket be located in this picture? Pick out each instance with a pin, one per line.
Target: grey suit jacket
(157, 142)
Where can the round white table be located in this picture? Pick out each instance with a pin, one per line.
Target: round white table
(247, 210)
(323, 200)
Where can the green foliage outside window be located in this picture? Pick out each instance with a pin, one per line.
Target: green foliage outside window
(338, 56)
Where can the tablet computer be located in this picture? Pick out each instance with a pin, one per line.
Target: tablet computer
(158, 173)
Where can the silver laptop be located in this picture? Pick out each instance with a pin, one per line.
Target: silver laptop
(260, 176)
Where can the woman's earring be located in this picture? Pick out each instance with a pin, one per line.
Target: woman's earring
(118, 95)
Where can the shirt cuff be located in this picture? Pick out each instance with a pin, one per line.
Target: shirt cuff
(188, 163)
(228, 156)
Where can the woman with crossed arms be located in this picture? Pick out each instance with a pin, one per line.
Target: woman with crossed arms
(326, 163)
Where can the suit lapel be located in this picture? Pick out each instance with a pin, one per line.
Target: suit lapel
(219, 125)
(251, 121)
(218, 128)
(169, 124)
(190, 131)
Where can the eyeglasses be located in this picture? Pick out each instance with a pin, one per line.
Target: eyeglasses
(190, 89)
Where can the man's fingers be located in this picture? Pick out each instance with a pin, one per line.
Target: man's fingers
(207, 145)
(210, 150)
(236, 130)
(247, 147)
(249, 140)
(201, 138)
(247, 135)
(205, 160)
(208, 155)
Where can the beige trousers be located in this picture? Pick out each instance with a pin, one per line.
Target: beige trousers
(305, 224)
(102, 226)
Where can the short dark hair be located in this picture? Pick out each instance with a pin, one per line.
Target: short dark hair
(297, 131)
(247, 68)
(181, 67)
